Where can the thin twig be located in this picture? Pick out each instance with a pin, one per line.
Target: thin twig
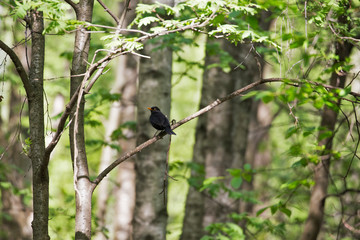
(347, 38)
(357, 144)
(123, 14)
(109, 12)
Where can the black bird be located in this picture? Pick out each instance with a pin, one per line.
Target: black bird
(159, 121)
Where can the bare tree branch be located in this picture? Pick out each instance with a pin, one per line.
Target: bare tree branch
(123, 14)
(348, 190)
(109, 12)
(183, 121)
(19, 67)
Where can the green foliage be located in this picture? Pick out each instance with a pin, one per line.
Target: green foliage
(239, 174)
(53, 10)
(26, 146)
(224, 231)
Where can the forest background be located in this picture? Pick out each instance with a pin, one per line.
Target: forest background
(269, 92)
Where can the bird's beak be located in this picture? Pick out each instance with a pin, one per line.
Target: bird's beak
(149, 109)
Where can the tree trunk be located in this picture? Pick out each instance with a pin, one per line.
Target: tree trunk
(120, 113)
(218, 144)
(82, 183)
(221, 137)
(194, 209)
(322, 169)
(36, 120)
(258, 116)
(125, 193)
(154, 89)
(222, 134)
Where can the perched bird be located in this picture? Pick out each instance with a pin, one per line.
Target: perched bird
(159, 121)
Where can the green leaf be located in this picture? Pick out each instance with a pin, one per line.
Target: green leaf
(274, 209)
(308, 131)
(247, 167)
(247, 176)
(325, 134)
(93, 123)
(145, 8)
(236, 182)
(265, 96)
(211, 180)
(301, 163)
(261, 211)
(290, 131)
(319, 103)
(295, 149)
(344, 92)
(285, 210)
(249, 95)
(147, 20)
(5, 185)
(235, 172)
(246, 34)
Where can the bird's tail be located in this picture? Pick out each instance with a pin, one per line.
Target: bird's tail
(169, 131)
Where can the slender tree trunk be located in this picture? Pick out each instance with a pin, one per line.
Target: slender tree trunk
(36, 119)
(322, 169)
(82, 183)
(108, 154)
(120, 112)
(154, 89)
(259, 127)
(194, 208)
(125, 193)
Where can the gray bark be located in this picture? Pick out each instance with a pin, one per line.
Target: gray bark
(194, 208)
(154, 89)
(221, 137)
(36, 120)
(125, 193)
(83, 184)
(120, 112)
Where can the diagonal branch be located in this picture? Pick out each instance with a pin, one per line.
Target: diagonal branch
(109, 12)
(183, 121)
(19, 67)
(294, 82)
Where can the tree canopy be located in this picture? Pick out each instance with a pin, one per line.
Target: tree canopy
(272, 87)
